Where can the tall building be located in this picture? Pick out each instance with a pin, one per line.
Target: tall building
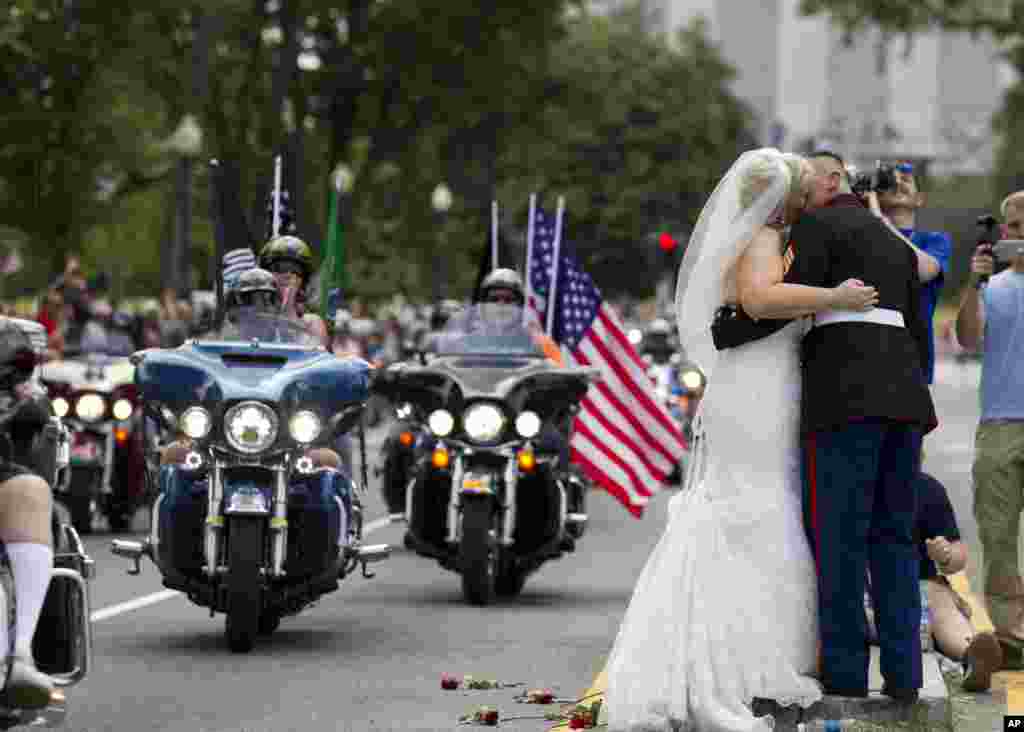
(931, 99)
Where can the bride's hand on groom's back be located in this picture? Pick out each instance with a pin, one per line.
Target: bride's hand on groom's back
(854, 295)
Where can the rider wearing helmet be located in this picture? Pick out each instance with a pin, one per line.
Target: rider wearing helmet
(658, 341)
(502, 301)
(25, 529)
(255, 288)
(254, 291)
(291, 261)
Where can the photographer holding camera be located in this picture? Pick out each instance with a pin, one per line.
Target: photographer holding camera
(995, 308)
(892, 194)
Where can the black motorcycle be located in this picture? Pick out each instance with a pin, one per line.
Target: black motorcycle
(485, 500)
(33, 436)
(95, 396)
(406, 437)
(247, 524)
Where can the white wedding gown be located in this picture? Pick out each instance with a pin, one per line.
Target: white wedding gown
(725, 609)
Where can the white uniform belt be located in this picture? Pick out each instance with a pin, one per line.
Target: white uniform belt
(878, 316)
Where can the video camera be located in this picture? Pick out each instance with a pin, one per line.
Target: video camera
(986, 240)
(881, 179)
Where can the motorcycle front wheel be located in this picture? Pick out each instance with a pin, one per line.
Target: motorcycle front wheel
(478, 556)
(244, 582)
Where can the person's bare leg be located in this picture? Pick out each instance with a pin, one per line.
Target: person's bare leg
(25, 528)
(952, 631)
(955, 637)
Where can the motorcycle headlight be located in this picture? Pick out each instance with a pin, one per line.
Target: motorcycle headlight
(195, 422)
(528, 424)
(250, 427)
(61, 407)
(441, 422)
(692, 379)
(90, 407)
(483, 422)
(304, 426)
(122, 409)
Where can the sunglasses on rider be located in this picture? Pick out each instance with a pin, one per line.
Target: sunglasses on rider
(259, 299)
(286, 268)
(502, 296)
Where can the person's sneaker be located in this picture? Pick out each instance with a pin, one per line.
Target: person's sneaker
(27, 687)
(983, 658)
(1013, 657)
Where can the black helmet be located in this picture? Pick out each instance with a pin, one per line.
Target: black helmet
(17, 356)
(503, 279)
(254, 288)
(290, 249)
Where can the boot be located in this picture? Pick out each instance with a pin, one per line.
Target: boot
(983, 658)
(27, 687)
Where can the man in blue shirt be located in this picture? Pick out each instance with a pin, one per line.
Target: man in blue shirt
(990, 319)
(934, 248)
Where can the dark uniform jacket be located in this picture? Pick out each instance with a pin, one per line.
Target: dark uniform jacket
(854, 371)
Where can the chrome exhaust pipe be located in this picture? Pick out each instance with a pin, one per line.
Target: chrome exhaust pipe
(82, 627)
(373, 553)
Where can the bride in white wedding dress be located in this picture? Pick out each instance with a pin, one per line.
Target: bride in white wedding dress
(725, 610)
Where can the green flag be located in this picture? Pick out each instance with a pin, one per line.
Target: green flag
(333, 274)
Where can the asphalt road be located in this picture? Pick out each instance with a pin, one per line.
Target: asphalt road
(370, 656)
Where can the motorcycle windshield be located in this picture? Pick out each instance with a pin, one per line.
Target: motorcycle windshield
(246, 325)
(489, 330)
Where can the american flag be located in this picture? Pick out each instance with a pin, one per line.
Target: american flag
(623, 438)
(286, 212)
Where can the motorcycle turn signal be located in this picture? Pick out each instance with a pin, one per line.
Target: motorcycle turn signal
(440, 458)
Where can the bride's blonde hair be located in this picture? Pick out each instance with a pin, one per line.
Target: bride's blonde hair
(763, 171)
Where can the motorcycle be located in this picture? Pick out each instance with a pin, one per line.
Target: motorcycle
(95, 396)
(248, 525)
(33, 436)
(483, 500)
(398, 456)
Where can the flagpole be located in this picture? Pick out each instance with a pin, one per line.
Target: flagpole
(276, 227)
(494, 235)
(551, 303)
(529, 254)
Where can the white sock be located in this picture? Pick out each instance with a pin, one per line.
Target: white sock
(32, 565)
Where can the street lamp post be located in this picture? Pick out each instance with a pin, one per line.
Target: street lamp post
(187, 143)
(440, 201)
(343, 180)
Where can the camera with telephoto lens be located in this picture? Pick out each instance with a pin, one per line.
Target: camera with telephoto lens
(881, 179)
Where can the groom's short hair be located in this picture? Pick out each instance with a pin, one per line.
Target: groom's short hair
(828, 154)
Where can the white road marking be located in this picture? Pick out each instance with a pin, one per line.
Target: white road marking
(146, 600)
(138, 602)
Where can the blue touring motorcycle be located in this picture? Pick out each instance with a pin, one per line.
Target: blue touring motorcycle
(248, 525)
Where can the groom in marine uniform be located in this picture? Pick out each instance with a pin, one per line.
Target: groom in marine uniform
(865, 407)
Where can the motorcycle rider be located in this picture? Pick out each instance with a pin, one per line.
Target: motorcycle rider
(658, 341)
(291, 261)
(26, 506)
(255, 292)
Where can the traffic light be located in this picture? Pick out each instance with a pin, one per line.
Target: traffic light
(667, 242)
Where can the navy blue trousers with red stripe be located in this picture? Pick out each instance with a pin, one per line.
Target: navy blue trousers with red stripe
(859, 506)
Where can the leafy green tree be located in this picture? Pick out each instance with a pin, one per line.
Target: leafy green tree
(1003, 19)
(636, 133)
